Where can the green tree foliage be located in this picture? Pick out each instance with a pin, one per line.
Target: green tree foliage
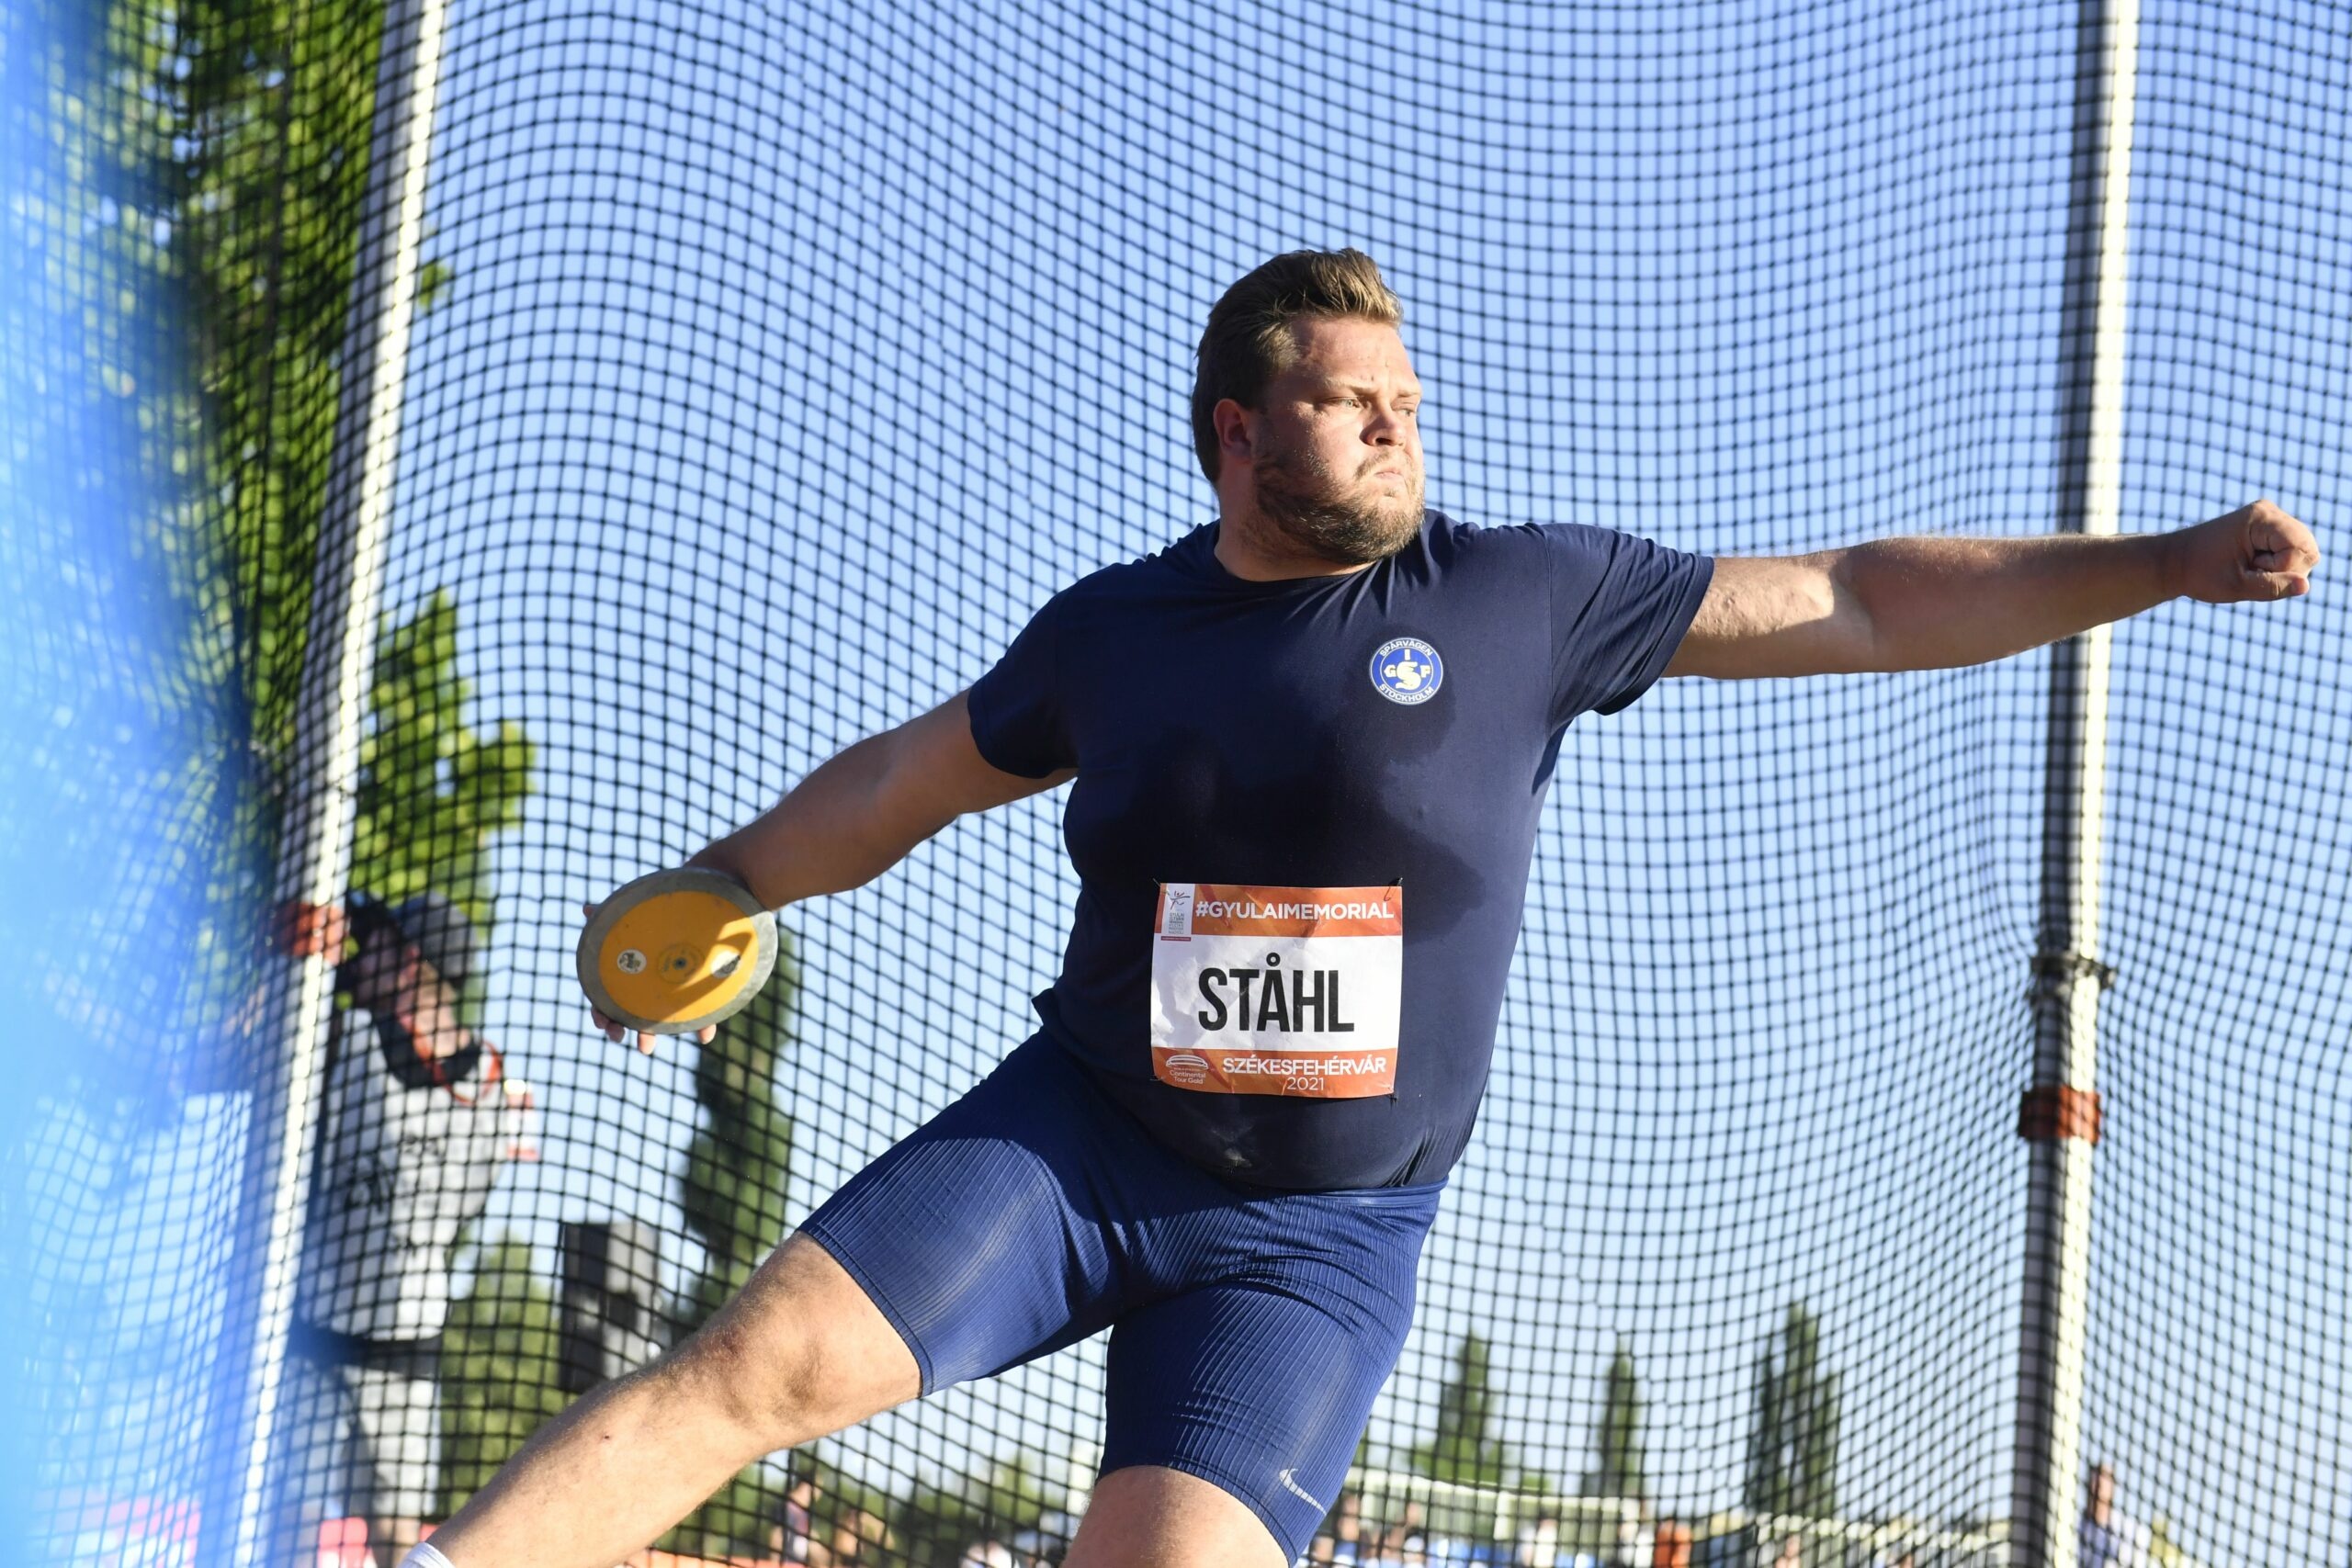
(432, 791)
(498, 1368)
(937, 1523)
(742, 1517)
(94, 350)
(244, 149)
(223, 167)
(735, 1521)
(1619, 1464)
(733, 1188)
(733, 1192)
(1463, 1448)
(217, 155)
(225, 163)
(1792, 1438)
(199, 242)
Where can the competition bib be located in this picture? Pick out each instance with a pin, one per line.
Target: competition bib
(1277, 990)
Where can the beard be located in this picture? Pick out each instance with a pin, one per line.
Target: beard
(1298, 493)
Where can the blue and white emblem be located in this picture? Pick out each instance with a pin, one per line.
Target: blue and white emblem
(1407, 671)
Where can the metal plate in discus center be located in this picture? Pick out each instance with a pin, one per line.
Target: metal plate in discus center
(673, 952)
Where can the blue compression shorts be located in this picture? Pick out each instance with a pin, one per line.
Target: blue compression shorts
(1251, 1329)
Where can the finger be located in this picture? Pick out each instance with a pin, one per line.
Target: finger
(2300, 556)
(645, 1043)
(2291, 537)
(706, 1034)
(2278, 584)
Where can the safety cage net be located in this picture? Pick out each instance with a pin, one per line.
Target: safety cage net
(672, 392)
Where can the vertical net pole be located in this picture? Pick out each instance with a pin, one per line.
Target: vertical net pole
(314, 847)
(2059, 1114)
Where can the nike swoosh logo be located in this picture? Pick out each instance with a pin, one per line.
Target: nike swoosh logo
(1295, 1490)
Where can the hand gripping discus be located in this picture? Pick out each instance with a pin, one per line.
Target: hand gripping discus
(671, 952)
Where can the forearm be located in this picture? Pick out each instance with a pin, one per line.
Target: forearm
(1934, 604)
(839, 828)
(602, 1479)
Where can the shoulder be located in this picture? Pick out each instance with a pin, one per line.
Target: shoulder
(1510, 556)
(1123, 585)
(1186, 558)
(1521, 542)
(1585, 558)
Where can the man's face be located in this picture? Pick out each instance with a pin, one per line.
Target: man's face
(1336, 446)
(389, 975)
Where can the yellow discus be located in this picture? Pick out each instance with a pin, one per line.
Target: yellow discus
(671, 952)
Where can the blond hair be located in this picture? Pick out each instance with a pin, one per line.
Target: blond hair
(1249, 341)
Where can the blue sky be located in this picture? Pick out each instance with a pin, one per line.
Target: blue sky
(794, 357)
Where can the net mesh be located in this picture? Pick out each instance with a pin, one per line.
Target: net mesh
(771, 364)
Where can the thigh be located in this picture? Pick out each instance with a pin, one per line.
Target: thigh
(1262, 1383)
(980, 1235)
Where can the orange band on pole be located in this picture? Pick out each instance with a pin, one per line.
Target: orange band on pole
(2053, 1111)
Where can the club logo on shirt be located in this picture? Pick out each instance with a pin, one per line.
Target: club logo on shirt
(1407, 671)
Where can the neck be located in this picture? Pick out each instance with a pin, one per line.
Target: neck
(1254, 550)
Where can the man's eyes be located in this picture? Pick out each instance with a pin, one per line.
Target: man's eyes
(1409, 410)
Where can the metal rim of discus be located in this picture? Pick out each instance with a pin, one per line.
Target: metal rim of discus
(677, 950)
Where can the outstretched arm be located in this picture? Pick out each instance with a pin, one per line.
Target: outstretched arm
(1932, 603)
(863, 812)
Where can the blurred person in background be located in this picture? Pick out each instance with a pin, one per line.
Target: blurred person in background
(416, 1116)
(2109, 1540)
(1539, 1542)
(1347, 1530)
(788, 1539)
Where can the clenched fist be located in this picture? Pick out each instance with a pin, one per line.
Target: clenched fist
(2256, 552)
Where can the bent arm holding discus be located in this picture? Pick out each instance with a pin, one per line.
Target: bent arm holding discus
(859, 814)
(863, 812)
(801, 1351)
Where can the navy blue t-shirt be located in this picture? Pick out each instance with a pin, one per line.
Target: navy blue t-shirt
(1313, 764)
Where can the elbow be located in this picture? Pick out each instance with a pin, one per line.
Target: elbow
(1862, 641)
(909, 796)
